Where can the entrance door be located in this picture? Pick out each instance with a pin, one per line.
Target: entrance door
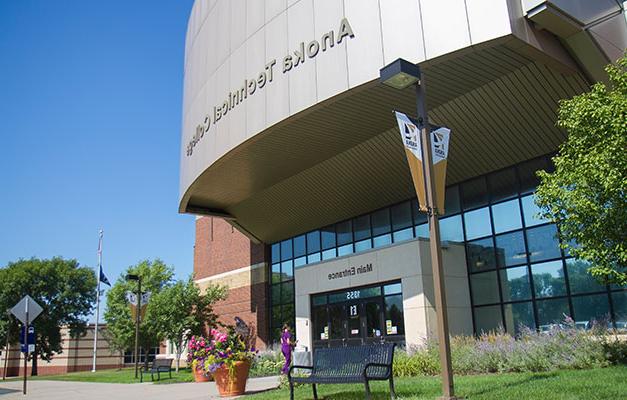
(356, 322)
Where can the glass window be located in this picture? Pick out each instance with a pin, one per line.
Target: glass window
(299, 246)
(329, 254)
(543, 243)
(420, 217)
(313, 242)
(393, 288)
(394, 324)
(328, 237)
(451, 200)
(287, 270)
(402, 235)
(345, 250)
(510, 249)
(275, 291)
(450, 229)
(276, 316)
(550, 312)
(299, 262)
(548, 279)
(321, 323)
(515, 284)
(477, 223)
(480, 254)
(503, 184)
(485, 289)
(276, 273)
(488, 319)
(336, 317)
(422, 231)
(527, 173)
(382, 240)
(380, 222)
(286, 249)
(276, 252)
(518, 315)
(531, 211)
(344, 232)
(580, 280)
(287, 292)
(319, 299)
(506, 216)
(287, 314)
(363, 245)
(619, 303)
(401, 216)
(474, 193)
(362, 227)
(591, 310)
(313, 258)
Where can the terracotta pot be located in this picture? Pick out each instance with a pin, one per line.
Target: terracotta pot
(235, 384)
(201, 376)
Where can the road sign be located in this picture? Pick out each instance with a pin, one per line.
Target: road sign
(27, 304)
(30, 346)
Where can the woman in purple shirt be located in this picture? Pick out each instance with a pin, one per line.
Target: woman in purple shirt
(287, 344)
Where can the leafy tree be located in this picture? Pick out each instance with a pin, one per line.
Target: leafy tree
(587, 194)
(65, 290)
(181, 310)
(155, 277)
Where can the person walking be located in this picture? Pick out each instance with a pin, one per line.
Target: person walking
(287, 345)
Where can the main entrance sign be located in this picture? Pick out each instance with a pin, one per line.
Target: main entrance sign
(251, 86)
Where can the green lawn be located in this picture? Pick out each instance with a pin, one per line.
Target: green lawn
(605, 383)
(126, 375)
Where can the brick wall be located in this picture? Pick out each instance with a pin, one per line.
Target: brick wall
(224, 255)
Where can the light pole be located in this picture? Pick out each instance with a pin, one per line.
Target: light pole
(134, 277)
(401, 74)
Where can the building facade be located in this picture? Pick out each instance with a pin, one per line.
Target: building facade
(292, 161)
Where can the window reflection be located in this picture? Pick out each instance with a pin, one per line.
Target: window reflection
(506, 216)
(551, 312)
(477, 223)
(548, 279)
(480, 255)
(591, 310)
(517, 316)
(450, 229)
(531, 212)
(515, 284)
(485, 289)
(543, 243)
(580, 279)
(488, 319)
(510, 249)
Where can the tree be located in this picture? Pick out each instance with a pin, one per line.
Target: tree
(155, 276)
(181, 310)
(65, 290)
(586, 195)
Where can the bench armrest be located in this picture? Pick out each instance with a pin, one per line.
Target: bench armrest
(388, 366)
(289, 372)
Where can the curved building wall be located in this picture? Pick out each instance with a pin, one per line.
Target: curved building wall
(231, 43)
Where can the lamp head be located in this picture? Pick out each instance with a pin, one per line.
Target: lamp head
(399, 74)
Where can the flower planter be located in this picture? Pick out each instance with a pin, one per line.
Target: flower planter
(232, 384)
(201, 376)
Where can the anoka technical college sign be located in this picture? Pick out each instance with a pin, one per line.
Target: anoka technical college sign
(253, 85)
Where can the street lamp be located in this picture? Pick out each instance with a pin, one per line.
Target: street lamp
(401, 74)
(134, 277)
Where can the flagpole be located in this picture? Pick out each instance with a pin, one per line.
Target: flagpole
(93, 367)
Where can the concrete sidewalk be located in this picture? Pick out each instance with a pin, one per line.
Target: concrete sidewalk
(57, 390)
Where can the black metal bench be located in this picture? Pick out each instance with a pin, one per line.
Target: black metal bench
(351, 364)
(159, 365)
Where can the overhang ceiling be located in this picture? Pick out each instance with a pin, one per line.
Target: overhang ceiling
(343, 157)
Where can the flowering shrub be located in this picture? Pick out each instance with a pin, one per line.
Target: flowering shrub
(226, 349)
(561, 347)
(198, 348)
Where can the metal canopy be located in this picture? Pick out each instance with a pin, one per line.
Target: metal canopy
(342, 158)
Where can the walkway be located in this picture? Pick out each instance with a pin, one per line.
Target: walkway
(57, 390)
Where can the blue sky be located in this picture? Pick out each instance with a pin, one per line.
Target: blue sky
(90, 117)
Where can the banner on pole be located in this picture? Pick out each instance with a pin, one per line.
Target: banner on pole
(410, 135)
(132, 301)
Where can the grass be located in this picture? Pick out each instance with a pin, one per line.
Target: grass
(602, 383)
(125, 375)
